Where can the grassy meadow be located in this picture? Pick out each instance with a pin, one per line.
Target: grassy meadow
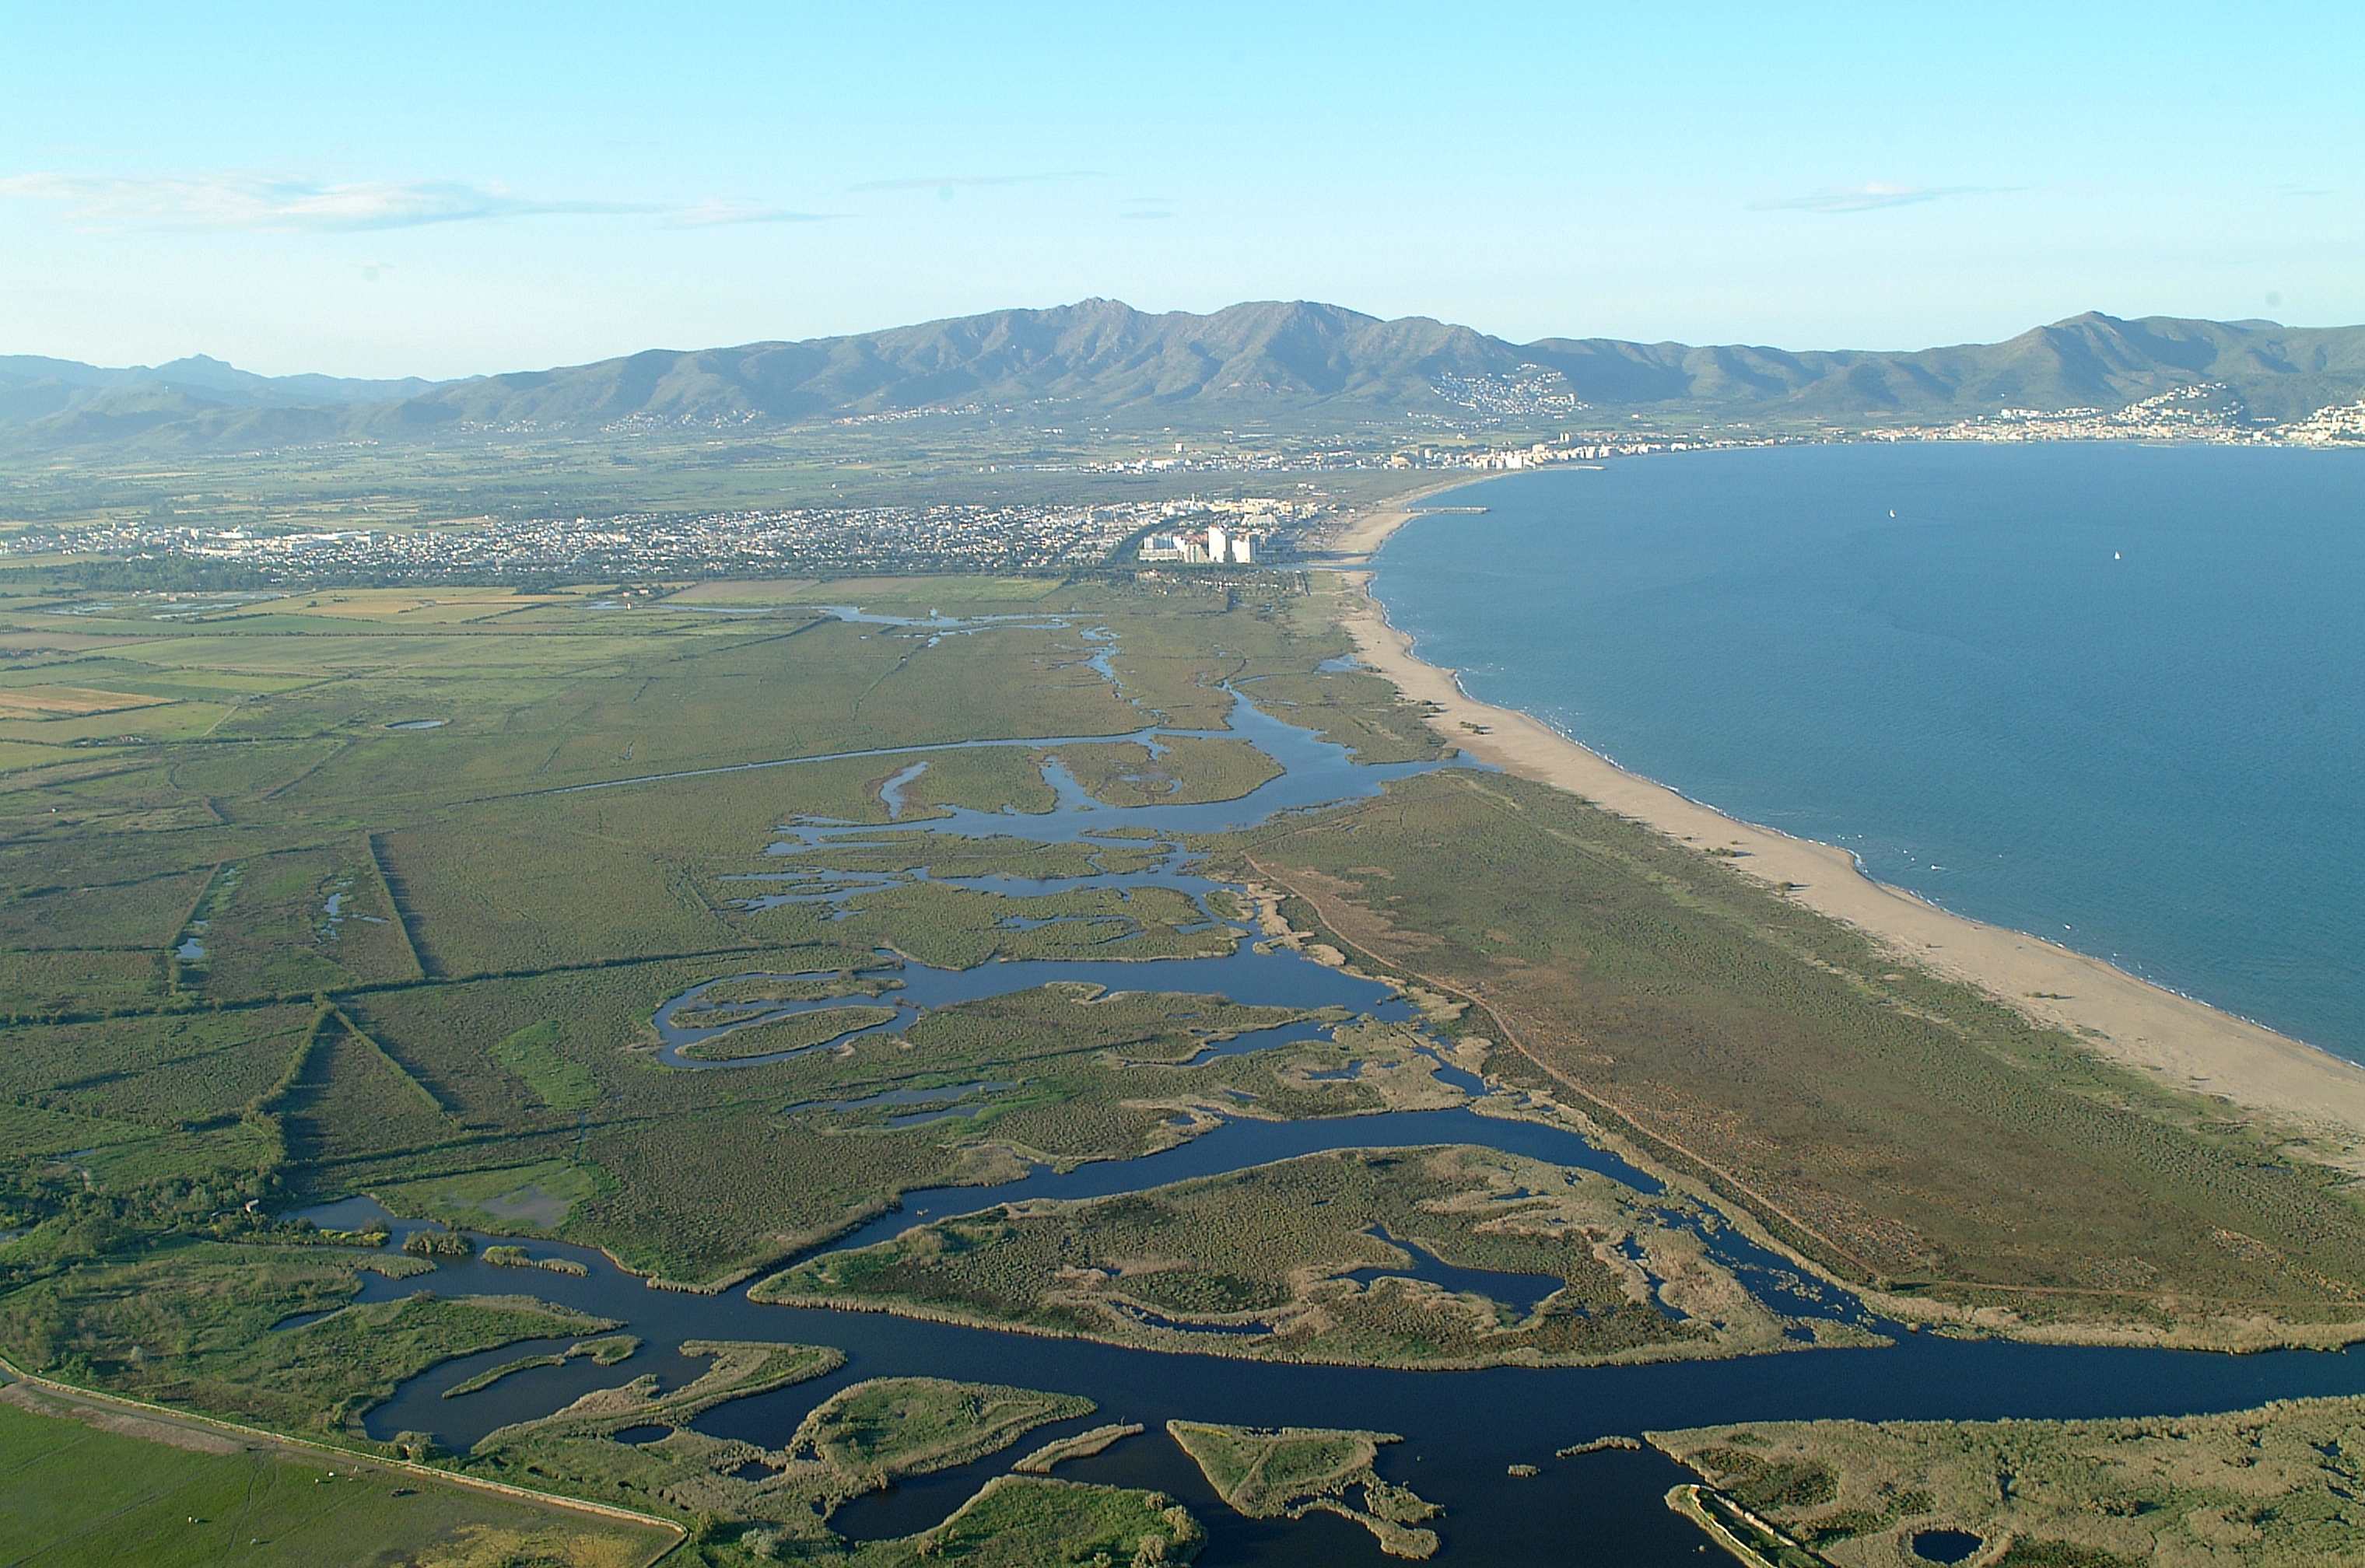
(85, 1485)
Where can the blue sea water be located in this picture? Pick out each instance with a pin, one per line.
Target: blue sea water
(2108, 693)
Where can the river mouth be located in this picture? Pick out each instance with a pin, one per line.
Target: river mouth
(1464, 1430)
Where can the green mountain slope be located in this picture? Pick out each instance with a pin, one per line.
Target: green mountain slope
(89, 402)
(2088, 361)
(1288, 361)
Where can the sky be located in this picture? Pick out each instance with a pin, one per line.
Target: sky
(446, 190)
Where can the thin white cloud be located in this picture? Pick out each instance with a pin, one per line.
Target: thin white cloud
(1870, 197)
(949, 182)
(270, 204)
(707, 214)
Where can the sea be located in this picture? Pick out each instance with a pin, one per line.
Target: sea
(2110, 693)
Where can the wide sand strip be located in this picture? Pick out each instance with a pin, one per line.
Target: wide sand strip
(1351, 540)
(2186, 1042)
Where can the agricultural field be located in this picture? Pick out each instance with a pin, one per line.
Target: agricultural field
(1310, 1260)
(2272, 1488)
(90, 1485)
(456, 486)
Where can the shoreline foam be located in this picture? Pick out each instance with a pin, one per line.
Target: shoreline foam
(2179, 1041)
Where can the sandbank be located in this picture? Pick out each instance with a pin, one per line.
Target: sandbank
(2179, 1041)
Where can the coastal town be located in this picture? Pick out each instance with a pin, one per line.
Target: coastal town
(1187, 531)
(2207, 411)
(1021, 537)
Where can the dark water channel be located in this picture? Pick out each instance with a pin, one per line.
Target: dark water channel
(1520, 1293)
(1461, 1430)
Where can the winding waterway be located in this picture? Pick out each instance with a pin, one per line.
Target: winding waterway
(1461, 1430)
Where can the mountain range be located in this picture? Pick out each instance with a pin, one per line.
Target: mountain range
(1271, 365)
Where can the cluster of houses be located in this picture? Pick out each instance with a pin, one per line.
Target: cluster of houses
(1215, 547)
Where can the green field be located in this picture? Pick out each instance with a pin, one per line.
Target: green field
(84, 1486)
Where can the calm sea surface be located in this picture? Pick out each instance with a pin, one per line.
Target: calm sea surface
(2111, 694)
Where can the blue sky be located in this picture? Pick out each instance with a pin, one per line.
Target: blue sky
(442, 190)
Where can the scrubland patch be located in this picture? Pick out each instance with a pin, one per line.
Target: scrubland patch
(1256, 1264)
(2269, 1487)
(523, 1199)
(1290, 1471)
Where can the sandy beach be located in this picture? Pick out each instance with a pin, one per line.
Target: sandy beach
(2181, 1042)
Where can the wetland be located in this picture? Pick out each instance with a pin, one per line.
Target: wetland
(973, 1016)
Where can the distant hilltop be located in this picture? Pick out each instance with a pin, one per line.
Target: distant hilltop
(1293, 365)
